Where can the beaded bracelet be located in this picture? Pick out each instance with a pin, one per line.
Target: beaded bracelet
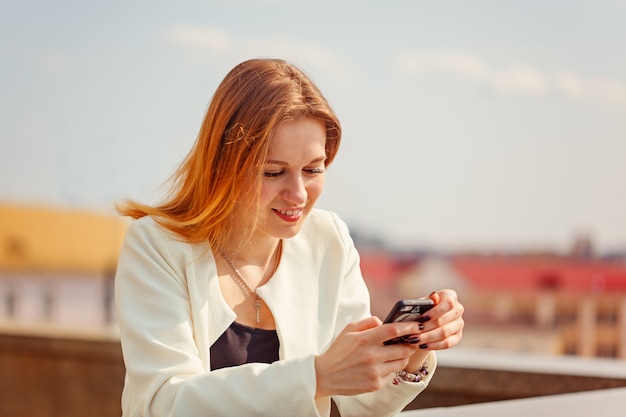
(416, 376)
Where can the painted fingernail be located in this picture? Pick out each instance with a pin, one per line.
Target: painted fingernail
(414, 340)
(424, 346)
(421, 326)
(423, 319)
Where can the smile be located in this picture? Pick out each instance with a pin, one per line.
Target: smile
(289, 215)
(291, 212)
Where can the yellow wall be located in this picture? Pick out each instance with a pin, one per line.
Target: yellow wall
(48, 239)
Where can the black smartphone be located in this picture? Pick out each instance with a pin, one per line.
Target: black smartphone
(408, 310)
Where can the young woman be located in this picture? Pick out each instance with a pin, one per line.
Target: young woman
(236, 297)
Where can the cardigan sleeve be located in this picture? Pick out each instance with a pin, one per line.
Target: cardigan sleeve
(165, 375)
(389, 400)
(353, 305)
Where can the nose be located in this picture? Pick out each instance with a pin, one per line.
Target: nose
(295, 190)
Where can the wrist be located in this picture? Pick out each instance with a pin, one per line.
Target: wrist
(319, 379)
(416, 360)
(417, 375)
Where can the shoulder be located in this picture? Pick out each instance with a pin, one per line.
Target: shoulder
(146, 226)
(326, 226)
(319, 219)
(147, 235)
(148, 229)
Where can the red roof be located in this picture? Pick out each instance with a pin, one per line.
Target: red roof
(382, 266)
(519, 273)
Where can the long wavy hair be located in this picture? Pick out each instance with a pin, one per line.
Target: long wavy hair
(225, 165)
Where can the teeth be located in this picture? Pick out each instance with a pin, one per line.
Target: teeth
(290, 212)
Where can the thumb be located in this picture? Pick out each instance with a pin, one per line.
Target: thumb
(435, 297)
(364, 324)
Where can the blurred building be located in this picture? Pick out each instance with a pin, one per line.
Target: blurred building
(572, 305)
(567, 305)
(57, 267)
(57, 270)
(382, 269)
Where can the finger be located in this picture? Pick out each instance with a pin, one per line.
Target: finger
(447, 310)
(444, 295)
(445, 301)
(450, 323)
(398, 329)
(363, 324)
(446, 343)
(435, 297)
(443, 337)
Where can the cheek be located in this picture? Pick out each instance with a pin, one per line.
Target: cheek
(315, 188)
(268, 192)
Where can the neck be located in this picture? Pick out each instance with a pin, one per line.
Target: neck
(259, 255)
(253, 276)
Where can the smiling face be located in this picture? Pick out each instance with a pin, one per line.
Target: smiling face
(293, 177)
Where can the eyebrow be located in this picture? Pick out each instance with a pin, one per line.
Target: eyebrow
(283, 163)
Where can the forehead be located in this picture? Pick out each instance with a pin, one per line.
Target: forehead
(299, 137)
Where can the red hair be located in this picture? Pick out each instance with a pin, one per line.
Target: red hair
(226, 163)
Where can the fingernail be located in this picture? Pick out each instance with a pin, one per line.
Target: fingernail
(413, 340)
(423, 319)
(421, 327)
(424, 346)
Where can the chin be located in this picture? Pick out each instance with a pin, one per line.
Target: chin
(289, 233)
(286, 232)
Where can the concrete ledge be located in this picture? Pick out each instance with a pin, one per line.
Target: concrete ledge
(75, 374)
(60, 376)
(475, 376)
(605, 403)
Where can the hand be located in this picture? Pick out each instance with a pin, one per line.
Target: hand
(442, 328)
(357, 361)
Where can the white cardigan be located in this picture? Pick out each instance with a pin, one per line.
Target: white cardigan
(171, 310)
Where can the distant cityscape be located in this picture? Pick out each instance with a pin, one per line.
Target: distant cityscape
(57, 271)
(551, 303)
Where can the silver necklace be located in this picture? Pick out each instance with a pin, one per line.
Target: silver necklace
(242, 281)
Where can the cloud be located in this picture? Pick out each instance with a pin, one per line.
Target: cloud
(597, 88)
(219, 41)
(571, 84)
(516, 80)
(519, 80)
(457, 63)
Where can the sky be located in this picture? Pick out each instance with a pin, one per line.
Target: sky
(485, 125)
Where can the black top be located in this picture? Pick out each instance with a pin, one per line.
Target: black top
(241, 344)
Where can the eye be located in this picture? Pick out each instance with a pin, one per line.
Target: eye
(273, 174)
(314, 171)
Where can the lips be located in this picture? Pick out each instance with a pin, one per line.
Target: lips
(289, 215)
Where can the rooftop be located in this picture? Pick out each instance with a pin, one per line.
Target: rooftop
(51, 240)
(542, 273)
